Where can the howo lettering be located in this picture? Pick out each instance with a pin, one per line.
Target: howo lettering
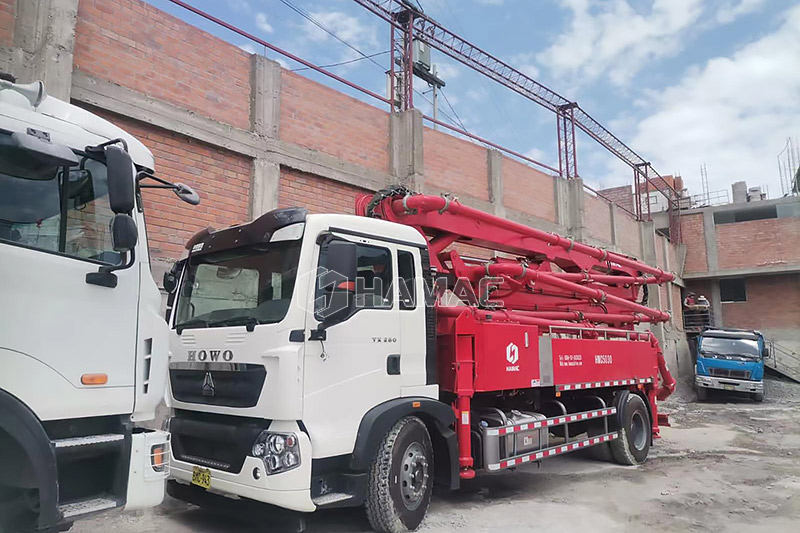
(318, 411)
(83, 348)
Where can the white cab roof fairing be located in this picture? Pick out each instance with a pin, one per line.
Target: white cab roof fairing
(67, 124)
(372, 227)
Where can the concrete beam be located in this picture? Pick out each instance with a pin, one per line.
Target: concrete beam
(743, 272)
(138, 106)
(129, 103)
(495, 166)
(710, 233)
(265, 98)
(406, 150)
(43, 46)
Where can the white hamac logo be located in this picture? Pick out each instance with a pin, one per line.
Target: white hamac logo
(512, 353)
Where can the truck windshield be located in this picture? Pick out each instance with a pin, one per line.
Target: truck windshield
(721, 346)
(248, 285)
(55, 209)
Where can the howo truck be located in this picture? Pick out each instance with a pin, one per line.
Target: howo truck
(83, 346)
(730, 360)
(328, 360)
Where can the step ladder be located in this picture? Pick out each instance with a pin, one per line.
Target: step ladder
(783, 361)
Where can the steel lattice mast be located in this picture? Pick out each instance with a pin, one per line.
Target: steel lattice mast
(414, 24)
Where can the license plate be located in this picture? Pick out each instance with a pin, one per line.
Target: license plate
(729, 387)
(201, 477)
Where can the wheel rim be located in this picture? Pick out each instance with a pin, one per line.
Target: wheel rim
(414, 476)
(638, 431)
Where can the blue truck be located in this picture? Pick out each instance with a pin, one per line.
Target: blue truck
(730, 360)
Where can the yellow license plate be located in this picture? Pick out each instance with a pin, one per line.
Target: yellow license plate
(201, 477)
(729, 387)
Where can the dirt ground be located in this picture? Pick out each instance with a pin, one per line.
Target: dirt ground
(725, 465)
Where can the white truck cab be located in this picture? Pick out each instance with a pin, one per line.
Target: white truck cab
(83, 348)
(276, 387)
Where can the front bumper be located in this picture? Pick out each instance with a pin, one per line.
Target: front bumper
(146, 482)
(740, 385)
(290, 490)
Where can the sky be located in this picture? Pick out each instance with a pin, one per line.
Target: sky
(682, 82)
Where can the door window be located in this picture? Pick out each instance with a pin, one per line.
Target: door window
(405, 277)
(54, 208)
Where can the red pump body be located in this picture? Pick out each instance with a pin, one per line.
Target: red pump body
(541, 312)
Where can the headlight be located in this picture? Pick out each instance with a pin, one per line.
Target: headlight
(279, 451)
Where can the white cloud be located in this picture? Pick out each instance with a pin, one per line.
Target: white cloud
(346, 27)
(262, 23)
(249, 48)
(240, 6)
(610, 37)
(447, 71)
(733, 113)
(733, 9)
(491, 2)
(537, 154)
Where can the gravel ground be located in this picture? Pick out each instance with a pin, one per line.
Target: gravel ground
(726, 465)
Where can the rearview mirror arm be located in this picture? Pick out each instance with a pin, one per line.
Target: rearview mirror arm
(105, 276)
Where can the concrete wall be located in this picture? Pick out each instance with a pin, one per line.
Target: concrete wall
(251, 136)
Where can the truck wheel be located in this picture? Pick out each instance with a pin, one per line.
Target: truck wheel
(702, 394)
(633, 443)
(758, 397)
(401, 478)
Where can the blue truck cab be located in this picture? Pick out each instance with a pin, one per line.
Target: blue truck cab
(730, 360)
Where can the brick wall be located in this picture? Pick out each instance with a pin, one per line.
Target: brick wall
(759, 243)
(694, 238)
(528, 190)
(7, 11)
(221, 178)
(140, 47)
(622, 196)
(318, 195)
(321, 118)
(773, 302)
(455, 165)
(628, 239)
(597, 217)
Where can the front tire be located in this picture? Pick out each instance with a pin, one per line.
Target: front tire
(401, 478)
(702, 394)
(758, 397)
(633, 444)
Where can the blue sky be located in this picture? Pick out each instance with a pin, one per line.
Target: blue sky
(682, 82)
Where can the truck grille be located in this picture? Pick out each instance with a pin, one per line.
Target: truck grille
(729, 373)
(214, 441)
(229, 385)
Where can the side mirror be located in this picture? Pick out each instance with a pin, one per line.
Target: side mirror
(187, 194)
(766, 351)
(123, 233)
(121, 195)
(171, 279)
(341, 259)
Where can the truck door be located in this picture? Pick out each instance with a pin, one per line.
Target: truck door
(54, 229)
(358, 364)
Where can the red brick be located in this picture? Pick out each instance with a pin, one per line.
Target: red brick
(528, 190)
(455, 165)
(694, 238)
(759, 243)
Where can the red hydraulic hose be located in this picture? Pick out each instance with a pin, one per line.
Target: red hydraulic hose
(667, 381)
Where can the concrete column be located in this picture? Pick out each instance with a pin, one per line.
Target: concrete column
(648, 239)
(265, 117)
(570, 206)
(405, 149)
(495, 165)
(716, 303)
(710, 232)
(44, 41)
(614, 231)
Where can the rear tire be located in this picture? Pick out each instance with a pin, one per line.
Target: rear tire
(633, 443)
(758, 397)
(401, 478)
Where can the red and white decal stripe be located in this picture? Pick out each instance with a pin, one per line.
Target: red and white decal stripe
(550, 452)
(547, 422)
(598, 384)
